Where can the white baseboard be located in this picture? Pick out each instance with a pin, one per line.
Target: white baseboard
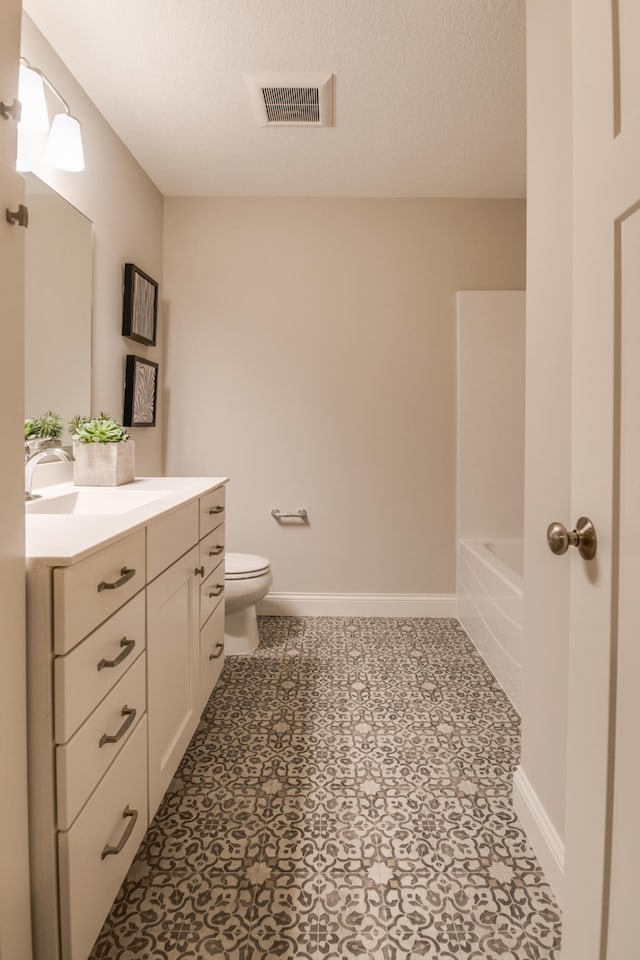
(543, 836)
(358, 605)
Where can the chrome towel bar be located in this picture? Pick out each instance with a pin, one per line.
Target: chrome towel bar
(298, 515)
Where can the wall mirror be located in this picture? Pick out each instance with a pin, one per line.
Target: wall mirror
(58, 305)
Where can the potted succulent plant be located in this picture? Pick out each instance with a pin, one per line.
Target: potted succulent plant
(42, 432)
(104, 456)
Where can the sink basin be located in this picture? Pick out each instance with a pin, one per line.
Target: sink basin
(97, 502)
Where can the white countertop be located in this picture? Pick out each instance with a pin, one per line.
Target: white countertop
(61, 539)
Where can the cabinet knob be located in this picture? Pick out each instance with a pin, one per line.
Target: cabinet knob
(19, 216)
(11, 111)
(199, 571)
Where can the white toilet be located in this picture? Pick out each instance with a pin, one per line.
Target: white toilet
(247, 580)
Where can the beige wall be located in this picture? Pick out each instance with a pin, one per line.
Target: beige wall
(491, 361)
(548, 404)
(126, 210)
(311, 352)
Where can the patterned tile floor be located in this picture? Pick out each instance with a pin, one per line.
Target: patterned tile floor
(347, 794)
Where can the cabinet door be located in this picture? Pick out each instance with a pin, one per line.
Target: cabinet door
(173, 695)
(15, 933)
(10, 13)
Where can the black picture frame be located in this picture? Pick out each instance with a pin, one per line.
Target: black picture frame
(139, 306)
(140, 392)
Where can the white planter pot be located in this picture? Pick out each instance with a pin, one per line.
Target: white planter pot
(103, 464)
(36, 444)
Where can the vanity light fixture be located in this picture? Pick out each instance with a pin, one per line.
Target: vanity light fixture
(64, 143)
(35, 116)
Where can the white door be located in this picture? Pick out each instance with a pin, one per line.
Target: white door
(603, 827)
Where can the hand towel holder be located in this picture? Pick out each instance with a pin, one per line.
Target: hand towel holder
(298, 515)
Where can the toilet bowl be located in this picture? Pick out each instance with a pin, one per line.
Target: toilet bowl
(247, 580)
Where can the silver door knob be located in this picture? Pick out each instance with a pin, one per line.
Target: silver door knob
(583, 537)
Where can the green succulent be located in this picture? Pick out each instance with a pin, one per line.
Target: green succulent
(46, 427)
(100, 429)
(77, 422)
(51, 425)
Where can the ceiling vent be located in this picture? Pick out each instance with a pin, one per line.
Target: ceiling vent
(291, 100)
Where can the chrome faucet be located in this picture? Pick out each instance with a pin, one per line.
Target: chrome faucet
(33, 460)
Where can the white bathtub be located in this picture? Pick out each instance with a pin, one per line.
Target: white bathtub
(490, 606)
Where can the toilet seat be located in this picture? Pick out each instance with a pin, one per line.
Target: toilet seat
(245, 566)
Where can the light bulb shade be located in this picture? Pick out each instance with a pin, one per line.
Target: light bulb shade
(35, 117)
(30, 149)
(64, 147)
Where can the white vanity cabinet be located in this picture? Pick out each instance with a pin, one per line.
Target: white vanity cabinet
(124, 647)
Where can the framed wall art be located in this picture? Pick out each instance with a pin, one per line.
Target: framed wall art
(139, 305)
(140, 392)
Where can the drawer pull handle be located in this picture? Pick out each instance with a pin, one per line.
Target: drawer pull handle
(217, 591)
(214, 510)
(219, 547)
(125, 575)
(217, 650)
(127, 645)
(131, 816)
(199, 571)
(130, 714)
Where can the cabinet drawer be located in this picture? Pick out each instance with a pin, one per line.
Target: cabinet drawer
(88, 592)
(81, 763)
(169, 537)
(211, 511)
(86, 674)
(211, 653)
(212, 550)
(211, 592)
(90, 875)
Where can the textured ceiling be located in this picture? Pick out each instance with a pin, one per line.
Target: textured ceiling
(429, 94)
